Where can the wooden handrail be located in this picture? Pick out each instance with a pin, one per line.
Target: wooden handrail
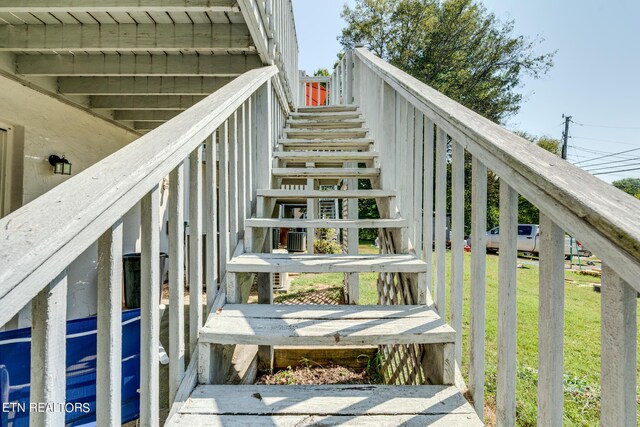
(604, 218)
(42, 238)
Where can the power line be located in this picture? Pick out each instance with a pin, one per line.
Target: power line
(606, 126)
(617, 171)
(613, 161)
(604, 140)
(612, 167)
(609, 155)
(599, 153)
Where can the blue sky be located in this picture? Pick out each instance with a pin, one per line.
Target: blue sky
(596, 77)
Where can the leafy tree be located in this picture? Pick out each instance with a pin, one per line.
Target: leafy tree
(455, 46)
(629, 186)
(322, 72)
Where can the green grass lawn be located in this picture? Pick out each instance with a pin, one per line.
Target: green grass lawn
(582, 337)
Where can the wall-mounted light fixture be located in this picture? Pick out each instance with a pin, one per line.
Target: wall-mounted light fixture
(60, 165)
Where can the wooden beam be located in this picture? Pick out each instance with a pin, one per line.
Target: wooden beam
(140, 85)
(65, 6)
(145, 116)
(144, 102)
(127, 37)
(136, 65)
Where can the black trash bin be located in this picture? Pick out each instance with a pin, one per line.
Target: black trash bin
(131, 267)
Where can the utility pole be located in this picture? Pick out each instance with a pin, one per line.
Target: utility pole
(565, 136)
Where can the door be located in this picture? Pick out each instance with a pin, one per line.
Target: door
(526, 238)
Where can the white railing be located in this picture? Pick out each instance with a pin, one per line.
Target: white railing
(412, 125)
(342, 81)
(314, 91)
(273, 29)
(42, 239)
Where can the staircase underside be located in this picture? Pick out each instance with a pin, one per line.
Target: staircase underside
(326, 405)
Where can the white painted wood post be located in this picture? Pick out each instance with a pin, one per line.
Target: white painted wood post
(418, 158)
(550, 324)
(478, 284)
(507, 265)
(249, 138)
(457, 244)
(109, 320)
(311, 212)
(48, 351)
(353, 241)
(223, 200)
(349, 77)
(441, 221)
(241, 168)
(264, 135)
(195, 247)
(233, 181)
(427, 207)
(149, 313)
(618, 346)
(176, 279)
(211, 219)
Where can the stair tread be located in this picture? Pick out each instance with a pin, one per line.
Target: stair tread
(327, 131)
(327, 115)
(357, 155)
(328, 108)
(327, 405)
(300, 263)
(326, 141)
(329, 194)
(325, 223)
(276, 324)
(325, 172)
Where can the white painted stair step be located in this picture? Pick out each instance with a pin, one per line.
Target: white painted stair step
(335, 325)
(329, 194)
(325, 116)
(325, 172)
(326, 133)
(328, 109)
(325, 223)
(340, 263)
(320, 156)
(327, 144)
(326, 405)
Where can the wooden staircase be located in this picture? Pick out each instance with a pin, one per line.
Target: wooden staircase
(324, 145)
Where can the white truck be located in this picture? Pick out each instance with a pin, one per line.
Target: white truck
(529, 241)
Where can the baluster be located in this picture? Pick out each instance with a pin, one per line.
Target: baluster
(176, 279)
(311, 211)
(550, 323)
(478, 284)
(241, 166)
(149, 312)
(418, 158)
(427, 207)
(233, 181)
(109, 320)
(48, 351)
(441, 220)
(457, 244)
(195, 247)
(353, 243)
(223, 198)
(618, 347)
(211, 219)
(249, 154)
(507, 264)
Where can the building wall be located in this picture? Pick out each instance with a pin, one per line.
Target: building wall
(54, 127)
